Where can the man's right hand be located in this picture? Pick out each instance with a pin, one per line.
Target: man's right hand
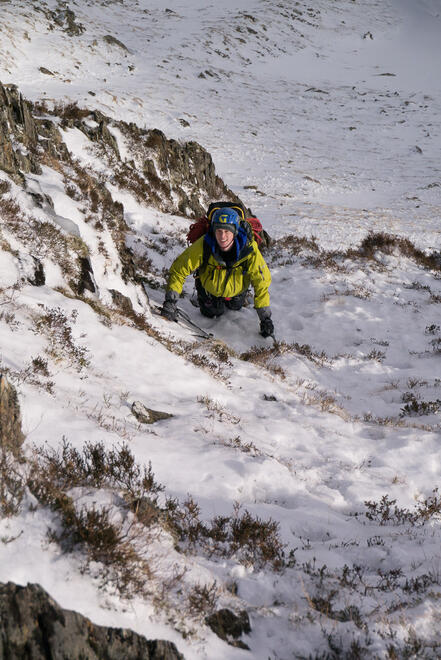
(170, 311)
(170, 307)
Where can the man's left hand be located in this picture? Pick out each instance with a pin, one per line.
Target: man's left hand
(267, 327)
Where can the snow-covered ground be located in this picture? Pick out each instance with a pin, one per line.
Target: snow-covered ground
(325, 121)
(331, 112)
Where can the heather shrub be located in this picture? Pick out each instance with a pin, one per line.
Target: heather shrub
(55, 325)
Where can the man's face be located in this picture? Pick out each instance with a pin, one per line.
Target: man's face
(224, 239)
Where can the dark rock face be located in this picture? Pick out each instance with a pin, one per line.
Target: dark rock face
(86, 282)
(38, 278)
(100, 133)
(229, 626)
(18, 125)
(11, 435)
(112, 41)
(35, 627)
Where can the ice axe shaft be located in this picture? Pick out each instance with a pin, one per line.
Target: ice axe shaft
(187, 319)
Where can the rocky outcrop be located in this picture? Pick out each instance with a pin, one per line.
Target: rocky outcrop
(11, 434)
(33, 625)
(172, 176)
(36, 275)
(24, 138)
(182, 176)
(12, 484)
(16, 122)
(113, 41)
(65, 19)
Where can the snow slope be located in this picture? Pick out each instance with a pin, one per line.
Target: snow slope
(335, 107)
(325, 121)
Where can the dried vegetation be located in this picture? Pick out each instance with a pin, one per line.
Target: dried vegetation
(112, 510)
(370, 249)
(45, 238)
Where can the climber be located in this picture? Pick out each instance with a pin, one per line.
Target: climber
(227, 260)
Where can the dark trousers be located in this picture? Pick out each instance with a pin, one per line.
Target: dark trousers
(213, 306)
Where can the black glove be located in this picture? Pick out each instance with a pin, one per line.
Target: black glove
(266, 327)
(170, 307)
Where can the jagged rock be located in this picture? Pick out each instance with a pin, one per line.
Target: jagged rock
(66, 19)
(122, 302)
(172, 176)
(24, 139)
(51, 141)
(229, 626)
(39, 277)
(11, 434)
(186, 169)
(33, 625)
(32, 270)
(147, 415)
(103, 134)
(113, 41)
(99, 133)
(16, 121)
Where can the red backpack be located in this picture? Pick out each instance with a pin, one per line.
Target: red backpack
(202, 225)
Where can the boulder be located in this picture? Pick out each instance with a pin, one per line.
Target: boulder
(113, 41)
(147, 415)
(33, 625)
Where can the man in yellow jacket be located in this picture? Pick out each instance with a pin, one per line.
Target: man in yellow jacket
(228, 262)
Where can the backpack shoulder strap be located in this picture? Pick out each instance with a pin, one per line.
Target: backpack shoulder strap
(205, 254)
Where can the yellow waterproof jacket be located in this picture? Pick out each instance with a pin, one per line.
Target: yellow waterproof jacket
(221, 280)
